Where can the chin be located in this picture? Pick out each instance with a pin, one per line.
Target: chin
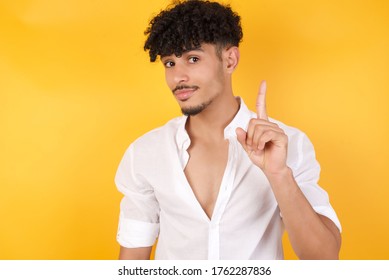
(196, 109)
(191, 111)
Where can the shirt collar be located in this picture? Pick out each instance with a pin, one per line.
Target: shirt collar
(241, 119)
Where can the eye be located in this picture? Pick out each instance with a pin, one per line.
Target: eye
(193, 59)
(168, 64)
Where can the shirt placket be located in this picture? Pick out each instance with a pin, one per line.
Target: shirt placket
(222, 200)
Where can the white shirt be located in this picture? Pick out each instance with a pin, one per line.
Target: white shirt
(246, 223)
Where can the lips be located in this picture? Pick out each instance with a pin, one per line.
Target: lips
(183, 94)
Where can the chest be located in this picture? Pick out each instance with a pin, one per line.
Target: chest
(204, 172)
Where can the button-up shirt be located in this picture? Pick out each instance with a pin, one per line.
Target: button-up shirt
(159, 203)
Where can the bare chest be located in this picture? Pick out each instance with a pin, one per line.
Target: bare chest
(204, 172)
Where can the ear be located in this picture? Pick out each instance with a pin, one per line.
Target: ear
(231, 58)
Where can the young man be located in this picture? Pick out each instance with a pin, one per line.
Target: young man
(220, 182)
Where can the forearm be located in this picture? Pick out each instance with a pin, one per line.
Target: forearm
(142, 253)
(312, 236)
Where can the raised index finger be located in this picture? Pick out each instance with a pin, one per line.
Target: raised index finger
(261, 102)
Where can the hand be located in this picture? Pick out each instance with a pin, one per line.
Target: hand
(265, 143)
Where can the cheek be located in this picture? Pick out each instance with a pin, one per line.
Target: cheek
(217, 77)
(168, 80)
(211, 75)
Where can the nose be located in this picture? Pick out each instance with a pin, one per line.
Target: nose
(180, 74)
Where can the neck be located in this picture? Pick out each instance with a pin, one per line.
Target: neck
(210, 123)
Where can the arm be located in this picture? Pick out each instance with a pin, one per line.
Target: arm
(142, 253)
(139, 210)
(312, 236)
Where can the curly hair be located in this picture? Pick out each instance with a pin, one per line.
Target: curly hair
(188, 24)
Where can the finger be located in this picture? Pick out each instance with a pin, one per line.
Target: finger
(259, 134)
(241, 136)
(261, 101)
(250, 132)
(254, 125)
(275, 138)
(267, 137)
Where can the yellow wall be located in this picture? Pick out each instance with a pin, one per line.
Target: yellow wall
(76, 88)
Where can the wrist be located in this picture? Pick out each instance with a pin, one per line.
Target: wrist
(280, 177)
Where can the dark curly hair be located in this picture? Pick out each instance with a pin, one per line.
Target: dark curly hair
(188, 24)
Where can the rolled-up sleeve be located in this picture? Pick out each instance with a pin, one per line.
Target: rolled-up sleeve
(139, 209)
(306, 171)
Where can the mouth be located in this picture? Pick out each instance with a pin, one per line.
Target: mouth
(184, 93)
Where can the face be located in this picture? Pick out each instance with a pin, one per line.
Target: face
(196, 78)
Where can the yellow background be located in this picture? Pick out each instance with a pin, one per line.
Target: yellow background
(76, 89)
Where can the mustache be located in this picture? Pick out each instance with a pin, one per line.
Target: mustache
(180, 87)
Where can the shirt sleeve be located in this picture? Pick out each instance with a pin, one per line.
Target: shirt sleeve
(306, 171)
(139, 209)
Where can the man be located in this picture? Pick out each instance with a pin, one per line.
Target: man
(219, 182)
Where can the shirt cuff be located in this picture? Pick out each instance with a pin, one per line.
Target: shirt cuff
(329, 213)
(135, 234)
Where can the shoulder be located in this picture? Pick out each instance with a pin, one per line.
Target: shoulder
(154, 146)
(291, 131)
(159, 141)
(160, 134)
(300, 147)
(296, 137)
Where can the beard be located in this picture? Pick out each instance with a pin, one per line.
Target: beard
(194, 110)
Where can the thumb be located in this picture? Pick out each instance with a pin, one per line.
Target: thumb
(241, 136)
